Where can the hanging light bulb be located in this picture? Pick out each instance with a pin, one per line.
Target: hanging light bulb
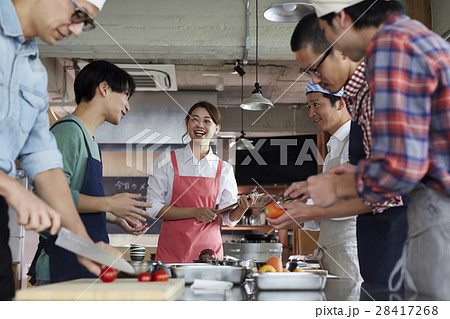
(242, 143)
(288, 11)
(257, 102)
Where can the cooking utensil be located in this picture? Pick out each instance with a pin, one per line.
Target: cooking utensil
(233, 206)
(259, 237)
(189, 273)
(80, 246)
(290, 281)
(280, 199)
(206, 261)
(140, 267)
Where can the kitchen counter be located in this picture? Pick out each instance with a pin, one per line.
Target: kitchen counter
(335, 290)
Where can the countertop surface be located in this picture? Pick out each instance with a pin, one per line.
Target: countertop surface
(335, 290)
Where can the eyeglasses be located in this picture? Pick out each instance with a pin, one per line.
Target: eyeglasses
(81, 16)
(315, 71)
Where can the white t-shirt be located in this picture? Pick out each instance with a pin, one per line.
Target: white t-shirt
(160, 183)
(335, 144)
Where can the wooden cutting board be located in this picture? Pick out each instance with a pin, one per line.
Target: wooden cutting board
(120, 289)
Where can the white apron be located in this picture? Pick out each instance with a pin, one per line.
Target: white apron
(338, 251)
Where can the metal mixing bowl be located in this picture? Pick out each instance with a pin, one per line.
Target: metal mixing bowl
(140, 267)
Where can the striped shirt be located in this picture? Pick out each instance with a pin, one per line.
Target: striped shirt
(358, 99)
(408, 71)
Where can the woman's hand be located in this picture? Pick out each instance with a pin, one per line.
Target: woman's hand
(205, 215)
(243, 205)
(134, 230)
(125, 206)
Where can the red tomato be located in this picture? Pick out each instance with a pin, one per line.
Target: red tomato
(108, 274)
(145, 276)
(272, 211)
(160, 275)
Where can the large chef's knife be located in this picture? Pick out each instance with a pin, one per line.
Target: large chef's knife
(80, 246)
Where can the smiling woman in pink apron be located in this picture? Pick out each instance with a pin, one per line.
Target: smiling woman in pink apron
(185, 188)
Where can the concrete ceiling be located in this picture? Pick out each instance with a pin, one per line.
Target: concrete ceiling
(202, 36)
(198, 36)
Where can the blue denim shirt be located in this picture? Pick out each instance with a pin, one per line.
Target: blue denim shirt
(24, 123)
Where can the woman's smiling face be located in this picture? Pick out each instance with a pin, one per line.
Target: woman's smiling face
(201, 125)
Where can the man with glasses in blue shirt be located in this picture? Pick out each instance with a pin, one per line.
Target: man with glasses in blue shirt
(24, 124)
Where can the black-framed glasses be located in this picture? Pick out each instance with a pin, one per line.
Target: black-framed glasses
(310, 71)
(81, 16)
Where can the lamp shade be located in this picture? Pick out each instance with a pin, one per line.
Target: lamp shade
(242, 144)
(256, 102)
(288, 11)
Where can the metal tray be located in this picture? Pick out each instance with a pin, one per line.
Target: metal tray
(234, 274)
(290, 281)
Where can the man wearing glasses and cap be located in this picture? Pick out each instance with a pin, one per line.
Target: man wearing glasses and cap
(24, 123)
(337, 250)
(408, 71)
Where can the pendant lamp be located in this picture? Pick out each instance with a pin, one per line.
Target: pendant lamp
(242, 143)
(257, 102)
(288, 11)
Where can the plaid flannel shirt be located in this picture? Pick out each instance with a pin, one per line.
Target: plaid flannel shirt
(358, 99)
(408, 71)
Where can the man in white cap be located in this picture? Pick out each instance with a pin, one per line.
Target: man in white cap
(24, 124)
(337, 250)
(408, 70)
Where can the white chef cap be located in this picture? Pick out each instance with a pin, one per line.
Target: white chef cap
(98, 3)
(324, 7)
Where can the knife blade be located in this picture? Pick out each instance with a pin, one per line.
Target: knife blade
(80, 246)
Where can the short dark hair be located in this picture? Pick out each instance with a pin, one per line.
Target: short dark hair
(376, 13)
(95, 73)
(307, 32)
(333, 98)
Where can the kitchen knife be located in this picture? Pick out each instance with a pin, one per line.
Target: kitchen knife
(80, 246)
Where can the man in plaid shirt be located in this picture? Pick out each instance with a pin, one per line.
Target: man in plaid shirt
(408, 71)
(334, 70)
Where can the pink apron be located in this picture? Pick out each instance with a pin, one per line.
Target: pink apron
(181, 241)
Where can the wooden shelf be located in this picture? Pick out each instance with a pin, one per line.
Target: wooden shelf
(248, 227)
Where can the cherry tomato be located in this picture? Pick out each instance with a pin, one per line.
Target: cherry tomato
(145, 276)
(272, 211)
(108, 274)
(160, 275)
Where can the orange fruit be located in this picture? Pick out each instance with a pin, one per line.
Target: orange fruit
(272, 211)
(298, 270)
(266, 268)
(276, 263)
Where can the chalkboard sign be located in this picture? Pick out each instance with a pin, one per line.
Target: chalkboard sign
(138, 185)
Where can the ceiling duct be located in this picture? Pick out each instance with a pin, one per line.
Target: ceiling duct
(150, 77)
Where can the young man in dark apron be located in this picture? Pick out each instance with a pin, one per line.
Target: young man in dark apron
(102, 91)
